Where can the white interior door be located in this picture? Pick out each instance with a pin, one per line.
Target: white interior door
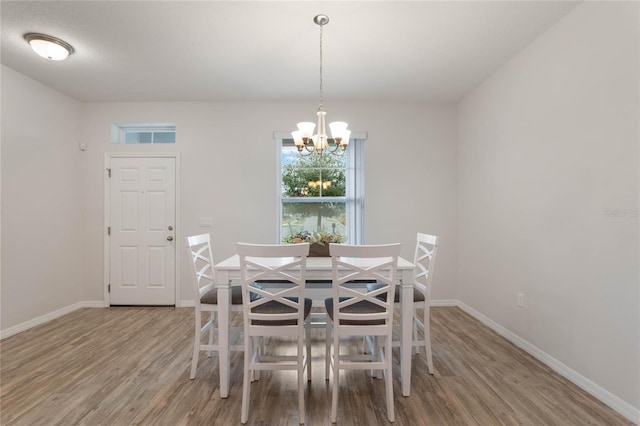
(142, 236)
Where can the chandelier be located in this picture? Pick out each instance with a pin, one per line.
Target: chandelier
(304, 139)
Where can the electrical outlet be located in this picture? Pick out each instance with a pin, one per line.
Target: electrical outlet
(521, 300)
(206, 222)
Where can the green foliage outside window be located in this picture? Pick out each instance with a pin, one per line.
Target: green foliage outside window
(297, 175)
(313, 178)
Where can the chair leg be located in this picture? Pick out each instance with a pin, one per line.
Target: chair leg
(256, 342)
(327, 351)
(307, 339)
(246, 383)
(376, 355)
(196, 345)
(427, 338)
(388, 379)
(416, 348)
(261, 350)
(213, 326)
(336, 376)
(301, 380)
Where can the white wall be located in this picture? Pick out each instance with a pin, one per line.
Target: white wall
(228, 162)
(548, 146)
(41, 203)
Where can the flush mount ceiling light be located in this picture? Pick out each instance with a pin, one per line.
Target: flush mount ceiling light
(304, 139)
(48, 46)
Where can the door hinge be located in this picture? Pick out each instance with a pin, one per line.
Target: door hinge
(109, 288)
(108, 230)
(109, 172)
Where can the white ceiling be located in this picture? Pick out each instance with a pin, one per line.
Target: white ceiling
(432, 51)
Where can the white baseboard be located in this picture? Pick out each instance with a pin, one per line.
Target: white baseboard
(50, 316)
(445, 302)
(94, 304)
(186, 304)
(621, 406)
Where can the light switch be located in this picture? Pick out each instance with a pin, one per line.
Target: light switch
(206, 222)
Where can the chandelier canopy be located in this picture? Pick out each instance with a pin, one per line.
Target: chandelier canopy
(304, 139)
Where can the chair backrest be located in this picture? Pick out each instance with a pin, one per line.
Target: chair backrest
(425, 260)
(281, 271)
(355, 264)
(202, 261)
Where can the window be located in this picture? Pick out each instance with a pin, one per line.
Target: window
(321, 196)
(144, 133)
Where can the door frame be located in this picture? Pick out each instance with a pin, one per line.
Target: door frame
(107, 216)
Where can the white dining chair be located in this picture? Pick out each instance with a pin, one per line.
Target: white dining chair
(354, 311)
(280, 310)
(424, 259)
(206, 297)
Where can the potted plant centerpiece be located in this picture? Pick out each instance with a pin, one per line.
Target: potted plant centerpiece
(319, 241)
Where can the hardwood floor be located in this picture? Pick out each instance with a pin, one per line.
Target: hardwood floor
(130, 365)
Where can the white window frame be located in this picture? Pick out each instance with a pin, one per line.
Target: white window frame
(355, 192)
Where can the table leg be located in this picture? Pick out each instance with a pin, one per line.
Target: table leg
(224, 303)
(406, 334)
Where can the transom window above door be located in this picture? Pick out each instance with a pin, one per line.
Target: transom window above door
(143, 133)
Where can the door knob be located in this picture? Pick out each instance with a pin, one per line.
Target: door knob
(170, 228)
(169, 238)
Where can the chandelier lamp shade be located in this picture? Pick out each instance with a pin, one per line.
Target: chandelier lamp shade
(304, 139)
(48, 46)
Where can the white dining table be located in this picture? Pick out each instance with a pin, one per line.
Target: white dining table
(318, 268)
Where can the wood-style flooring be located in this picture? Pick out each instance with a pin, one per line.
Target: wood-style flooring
(130, 366)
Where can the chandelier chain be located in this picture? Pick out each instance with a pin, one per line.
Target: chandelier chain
(321, 93)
